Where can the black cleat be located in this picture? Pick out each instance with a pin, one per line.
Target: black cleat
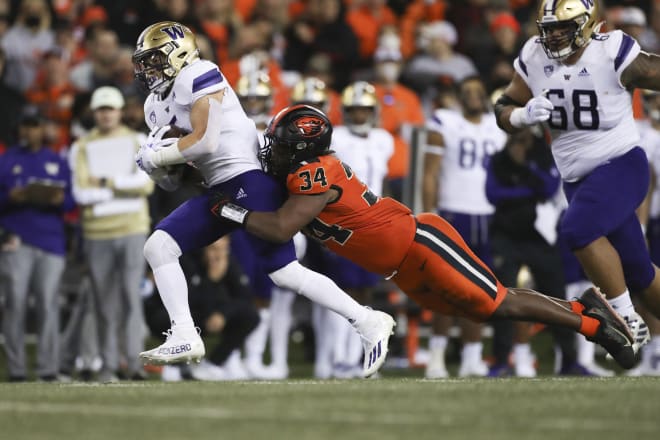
(613, 333)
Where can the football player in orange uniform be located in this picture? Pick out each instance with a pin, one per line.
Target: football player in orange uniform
(423, 254)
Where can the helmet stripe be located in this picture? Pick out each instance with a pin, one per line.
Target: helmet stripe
(550, 7)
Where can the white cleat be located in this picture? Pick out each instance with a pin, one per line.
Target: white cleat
(474, 369)
(209, 372)
(639, 330)
(523, 366)
(181, 345)
(436, 368)
(375, 331)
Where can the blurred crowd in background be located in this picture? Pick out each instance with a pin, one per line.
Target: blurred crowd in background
(67, 90)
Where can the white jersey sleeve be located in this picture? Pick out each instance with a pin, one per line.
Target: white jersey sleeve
(592, 119)
(202, 78)
(439, 122)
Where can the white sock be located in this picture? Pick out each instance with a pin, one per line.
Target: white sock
(622, 304)
(522, 351)
(233, 360)
(354, 348)
(438, 343)
(323, 346)
(255, 343)
(320, 289)
(586, 350)
(340, 348)
(471, 352)
(280, 308)
(173, 289)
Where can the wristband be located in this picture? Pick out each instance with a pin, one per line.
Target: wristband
(168, 156)
(234, 213)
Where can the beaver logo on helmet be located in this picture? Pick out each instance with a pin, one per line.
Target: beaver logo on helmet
(309, 126)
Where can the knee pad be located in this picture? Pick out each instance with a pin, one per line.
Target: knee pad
(161, 249)
(293, 276)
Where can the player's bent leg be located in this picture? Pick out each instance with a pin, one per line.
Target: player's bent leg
(375, 327)
(183, 342)
(591, 315)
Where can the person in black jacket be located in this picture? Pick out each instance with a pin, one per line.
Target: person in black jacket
(522, 181)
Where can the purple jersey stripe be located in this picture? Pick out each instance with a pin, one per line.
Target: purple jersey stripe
(206, 80)
(523, 66)
(626, 44)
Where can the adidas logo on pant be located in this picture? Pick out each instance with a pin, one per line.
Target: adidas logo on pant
(175, 350)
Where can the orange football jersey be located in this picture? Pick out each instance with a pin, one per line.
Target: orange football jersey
(371, 231)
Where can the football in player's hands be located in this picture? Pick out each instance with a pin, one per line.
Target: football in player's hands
(175, 171)
(174, 132)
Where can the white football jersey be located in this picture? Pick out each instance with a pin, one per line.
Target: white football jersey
(650, 142)
(367, 156)
(592, 121)
(237, 152)
(467, 149)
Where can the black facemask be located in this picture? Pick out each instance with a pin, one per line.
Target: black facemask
(32, 21)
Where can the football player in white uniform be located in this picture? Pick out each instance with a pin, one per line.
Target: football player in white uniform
(255, 92)
(459, 145)
(367, 149)
(649, 131)
(222, 144)
(578, 82)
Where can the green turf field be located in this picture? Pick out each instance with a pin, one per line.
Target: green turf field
(387, 408)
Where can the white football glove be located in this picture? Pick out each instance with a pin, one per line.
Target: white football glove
(146, 155)
(156, 134)
(537, 109)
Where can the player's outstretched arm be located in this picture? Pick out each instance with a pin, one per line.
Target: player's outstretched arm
(278, 226)
(643, 72)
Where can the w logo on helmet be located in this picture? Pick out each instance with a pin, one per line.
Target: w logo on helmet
(174, 32)
(309, 126)
(587, 3)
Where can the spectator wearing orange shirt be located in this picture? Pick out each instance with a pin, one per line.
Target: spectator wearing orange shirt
(221, 22)
(367, 20)
(399, 107)
(418, 11)
(54, 95)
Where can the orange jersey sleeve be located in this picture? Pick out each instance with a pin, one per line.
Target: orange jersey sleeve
(373, 232)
